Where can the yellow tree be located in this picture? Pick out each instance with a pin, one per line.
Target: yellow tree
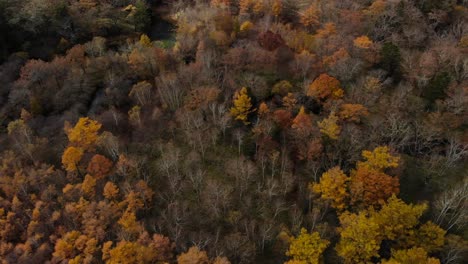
(145, 40)
(307, 248)
(129, 252)
(359, 238)
(329, 126)
(193, 256)
(333, 186)
(71, 157)
(84, 134)
(379, 159)
(363, 42)
(411, 256)
(398, 219)
(242, 106)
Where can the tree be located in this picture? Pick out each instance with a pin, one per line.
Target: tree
(131, 252)
(145, 41)
(141, 92)
(193, 256)
(352, 112)
(242, 106)
(277, 8)
(397, 219)
(110, 190)
(307, 248)
(324, 87)
(411, 256)
(71, 157)
(372, 188)
(359, 238)
(310, 17)
(329, 126)
(333, 186)
(363, 42)
(282, 88)
(391, 59)
(141, 16)
(302, 124)
(84, 134)
(378, 159)
(99, 166)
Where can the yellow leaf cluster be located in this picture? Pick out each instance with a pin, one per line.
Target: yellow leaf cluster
(84, 134)
(359, 240)
(411, 256)
(242, 106)
(333, 186)
(246, 26)
(329, 126)
(363, 42)
(71, 157)
(379, 159)
(307, 248)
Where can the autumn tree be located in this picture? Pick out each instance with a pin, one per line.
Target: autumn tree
(411, 256)
(193, 256)
(359, 238)
(242, 106)
(363, 42)
(371, 188)
(302, 124)
(352, 112)
(329, 126)
(324, 87)
(84, 134)
(307, 248)
(310, 17)
(379, 159)
(130, 252)
(99, 166)
(333, 186)
(71, 157)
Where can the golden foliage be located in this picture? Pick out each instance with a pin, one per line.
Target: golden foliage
(145, 41)
(307, 248)
(333, 186)
(411, 256)
(242, 106)
(71, 157)
(131, 252)
(352, 112)
(329, 126)
(84, 134)
(246, 26)
(379, 159)
(363, 42)
(193, 256)
(359, 240)
(397, 219)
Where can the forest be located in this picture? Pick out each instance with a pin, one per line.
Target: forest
(233, 131)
